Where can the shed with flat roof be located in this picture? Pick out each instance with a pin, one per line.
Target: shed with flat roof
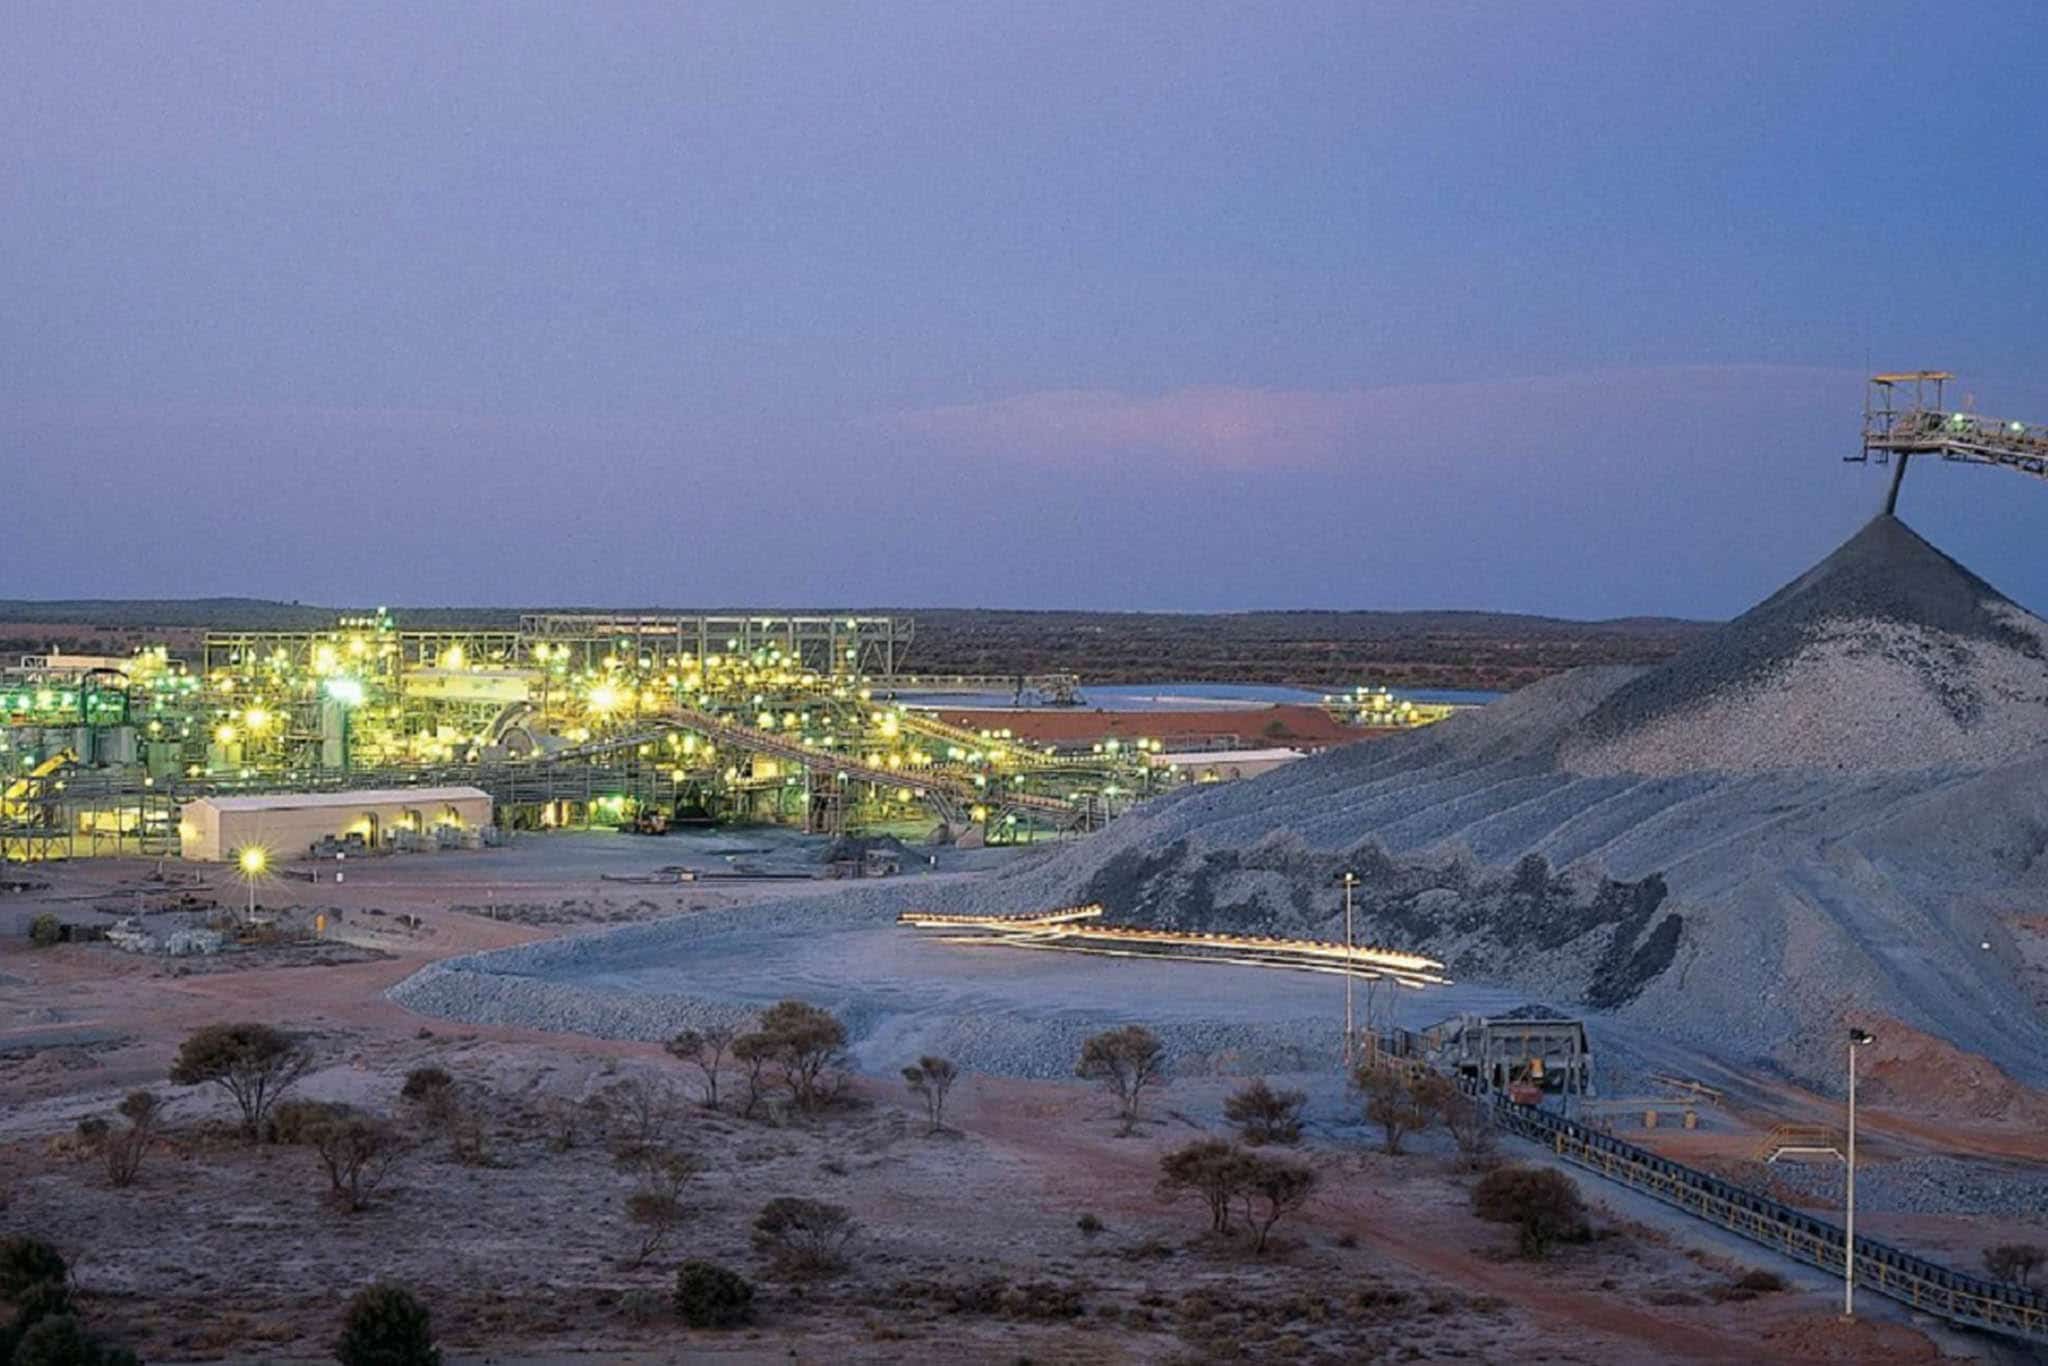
(288, 824)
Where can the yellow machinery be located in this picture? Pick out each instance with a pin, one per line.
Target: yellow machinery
(19, 799)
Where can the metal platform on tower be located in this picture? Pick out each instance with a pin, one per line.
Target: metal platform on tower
(1907, 414)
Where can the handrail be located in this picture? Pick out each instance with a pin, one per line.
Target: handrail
(1925, 1285)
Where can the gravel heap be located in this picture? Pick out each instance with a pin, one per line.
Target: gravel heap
(1887, 654)
(1732, 873)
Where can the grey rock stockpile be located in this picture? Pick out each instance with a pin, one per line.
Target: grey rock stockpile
(1887, 654)
(1823, 807)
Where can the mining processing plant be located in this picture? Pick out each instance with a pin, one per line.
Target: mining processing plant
(637, 722)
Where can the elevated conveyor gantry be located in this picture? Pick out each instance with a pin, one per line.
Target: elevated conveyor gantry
(1906, 414)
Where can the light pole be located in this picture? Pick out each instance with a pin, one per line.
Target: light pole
(1856, 1037)
(1350, 880)
(253, 861)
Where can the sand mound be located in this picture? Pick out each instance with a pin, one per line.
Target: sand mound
(1885, 655)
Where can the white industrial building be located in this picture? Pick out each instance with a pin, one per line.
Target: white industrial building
(288, 824)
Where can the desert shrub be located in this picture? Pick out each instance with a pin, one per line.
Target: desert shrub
(124, 1150)
(755, 1053)
(1402, 1105)
(1470, 1125)
(802, 1237)
(808, 1045)
(1213, 1169)
(710, 1296)
(706, 1048)
(1760, 1282)
(294, 1122)
(1263, 1115)
(356, 1151)
(642, 1112)
(424, 1082)
(42, 1300)
(45, 930)
(655, 1207)
(643, 1307)
(1272, 1188)
(61, 1340)
(386, 1326)
(1126, 1061)
(253, 1063)
(1089, 1224)
(467, 1124)
(1541, 1202)
(2015, 1262)
(92, 1130)
(569, 1120)
(929, 1079)
(24, 1261)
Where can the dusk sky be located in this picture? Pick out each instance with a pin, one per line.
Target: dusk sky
(1560, 308)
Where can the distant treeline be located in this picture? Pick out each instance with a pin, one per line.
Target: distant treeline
(1487, 650)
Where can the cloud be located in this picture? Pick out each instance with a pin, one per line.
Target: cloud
(1230, 428)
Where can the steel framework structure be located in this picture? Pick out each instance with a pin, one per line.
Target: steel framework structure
(872, 647)
(1906, 414)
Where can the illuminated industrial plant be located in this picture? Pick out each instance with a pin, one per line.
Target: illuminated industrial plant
(569, 720)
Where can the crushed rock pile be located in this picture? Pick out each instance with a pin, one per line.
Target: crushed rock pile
(1828, 807)
(1887, 654)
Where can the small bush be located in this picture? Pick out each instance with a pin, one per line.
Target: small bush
(124, 1151)
(707, 1049)
(804, 1238)
(386, 1326)
(61, 1340)
(808, 1046)
(92, 1130)
(43, 1300)
(423, 1082)
(710, 1296)
(656, 1205)
(1211, 1168)
(293, 1123)
(1541, 1202)
(1760, 1282)
(2015, 1262)
(45, 931)
(1089, 1224)
(24, 1261)
(253, 1063)
(1263, 1115)
(929, 1079)
(1126, 1062)
(1402, 1105)
(356, 1151)
(642, 1112)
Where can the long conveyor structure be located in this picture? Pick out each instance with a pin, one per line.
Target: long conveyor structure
(1926, 1286)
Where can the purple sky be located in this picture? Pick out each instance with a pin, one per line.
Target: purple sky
(1558, 308)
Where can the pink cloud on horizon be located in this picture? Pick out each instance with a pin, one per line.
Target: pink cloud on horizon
(1235, 428)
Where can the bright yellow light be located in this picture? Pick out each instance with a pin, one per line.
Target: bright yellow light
(604, 698)
(257, 720)
(254, 860)
(224, 734)
(451, 658)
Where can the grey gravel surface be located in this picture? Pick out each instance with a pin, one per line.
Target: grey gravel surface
(1925, 1185)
